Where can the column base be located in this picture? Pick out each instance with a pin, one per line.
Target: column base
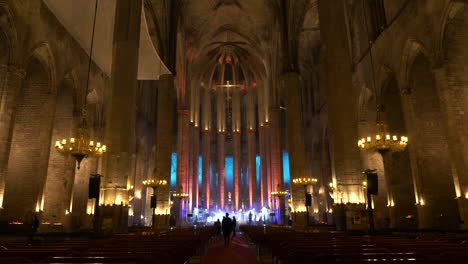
(113, 219)
(299, 219)
(161, 221)
(424, 217)
(350, 217)
(463, 209)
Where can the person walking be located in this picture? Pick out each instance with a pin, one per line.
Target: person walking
(227, 228)
(234, 223)
(217, 225)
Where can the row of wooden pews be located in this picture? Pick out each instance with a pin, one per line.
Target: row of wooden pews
(162, 246)
(290, 246)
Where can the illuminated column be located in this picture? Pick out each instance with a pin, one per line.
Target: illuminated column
(457, 143)
(206, 144)
(275, 151)
(275, 154)
(221, 122)
(298, 166)
(346, 169)
(183, 132)
(261, 148)
(267, 164)
(251, 147)
(195, 120)
(236, 131)
(120, 123)
(11, 80)
(164, 139)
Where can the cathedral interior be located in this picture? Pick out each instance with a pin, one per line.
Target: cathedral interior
(295, 116)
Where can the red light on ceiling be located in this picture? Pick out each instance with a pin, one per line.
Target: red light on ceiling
(228, 59)
(254, 84)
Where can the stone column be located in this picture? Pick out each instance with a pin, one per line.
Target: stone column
(275, 157)
(11, 79)
(236, 131)
(455, 127)
(182, 159)
(195, 135)
(164, 140)
(120, 124)
(206, 145)
(251, 147)
(261, 148)
(342, 105)
(221, 122)
(294, 126)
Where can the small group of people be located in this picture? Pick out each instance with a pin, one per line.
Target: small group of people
(227, 226)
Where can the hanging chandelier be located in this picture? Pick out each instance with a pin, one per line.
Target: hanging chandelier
(279, 193)
(180, 194)
(383, 141)
(305, 181)
(82, 146)
(154, 183)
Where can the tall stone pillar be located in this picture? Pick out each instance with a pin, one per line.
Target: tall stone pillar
(195, 138)
(275, 159)
(11, 79)
(251, 147)
(267, 164)
(236, 131)
(120, 124)
(261, 148)
(182, 161)
(455, 127)
(341, 103)
(221, 122)
(294, 125)
(164, 139)
(206, 146)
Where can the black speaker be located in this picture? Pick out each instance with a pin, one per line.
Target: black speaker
(308, 199)
(153, 201)
(372, 183)
(94, 187)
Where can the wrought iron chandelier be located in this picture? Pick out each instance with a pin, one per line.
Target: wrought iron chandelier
(82, 145)
(154, 183)
(305, 181)
(180, 194)
(383, 141)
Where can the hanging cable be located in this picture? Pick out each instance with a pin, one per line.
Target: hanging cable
(90, 57)
(378, 105)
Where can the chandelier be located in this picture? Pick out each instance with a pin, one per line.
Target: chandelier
(154, 183)
(82, 146)
(383, 141)
(180, 194)
(305, 181)
(279, 193)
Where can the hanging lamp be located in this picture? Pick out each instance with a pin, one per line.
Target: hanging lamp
(82, 146)
(383, 141)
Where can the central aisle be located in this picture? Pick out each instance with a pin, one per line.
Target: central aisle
(237, 252)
